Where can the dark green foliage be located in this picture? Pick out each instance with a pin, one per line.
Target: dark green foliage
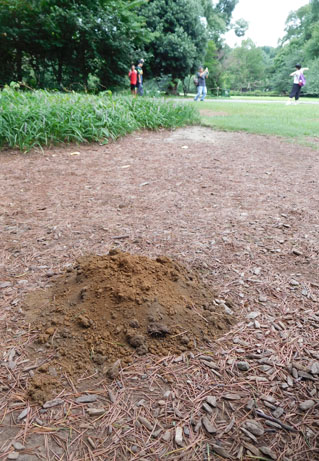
(245, 66)
(58, 43)
(300, 45)
(179, 38)
(68, 44)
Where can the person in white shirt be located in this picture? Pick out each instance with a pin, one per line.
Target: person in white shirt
(296, 87)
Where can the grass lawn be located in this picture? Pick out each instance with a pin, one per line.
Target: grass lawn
(299, 123)
(271, 98)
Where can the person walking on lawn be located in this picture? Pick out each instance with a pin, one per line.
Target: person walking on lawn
(299, 82)
(133, 79)
(139, 69)
(201, 76)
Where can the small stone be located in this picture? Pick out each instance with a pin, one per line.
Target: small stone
(134, 449)
(161, 403)
(185, 340)
(250, 404)
(265, 368)
(232, 396)
(23, 414)
(95, 411)
(278, 412)
(306, 405)
(251, 448)
(290, 381)
(111, 396)
(243, 366)
(114, 370)
(140, 403)
(297, 252)
(249, 434)
(84, 322)
(262, 299)
(294, 373)
(91, 442)
(179, 436)
(211, 364)
(314, 369)
(178, 359)
(134, 323)
(197, 426)
(254, 427)
(53, 372)
(18, 446)
(207, 408)
(305, 375)
(221, 451)
(293, 283)
(53, 403)
(270, 405)
(268, 452)
(5, 284)
(208, 426)
(158, 329)
(86, 398)
(252, 315)
(135, 340)
(228, 310)
(145, 423)
(273, 424)
(13, 455)
(156, 433)
(211, 401)
(166, 436)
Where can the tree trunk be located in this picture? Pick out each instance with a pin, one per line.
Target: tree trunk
(172, 88)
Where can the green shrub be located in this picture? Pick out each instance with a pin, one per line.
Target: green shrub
(42, 118)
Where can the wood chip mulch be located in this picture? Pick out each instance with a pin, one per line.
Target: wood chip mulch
(243, 210)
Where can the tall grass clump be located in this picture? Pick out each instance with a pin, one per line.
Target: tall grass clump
(42, 118)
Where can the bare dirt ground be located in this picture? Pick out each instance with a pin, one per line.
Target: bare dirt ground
(241, 210)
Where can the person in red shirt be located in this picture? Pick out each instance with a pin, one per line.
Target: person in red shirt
(133, 79)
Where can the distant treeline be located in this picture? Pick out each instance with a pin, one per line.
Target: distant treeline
(89, 45)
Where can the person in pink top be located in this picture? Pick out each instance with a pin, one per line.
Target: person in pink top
(133, 79)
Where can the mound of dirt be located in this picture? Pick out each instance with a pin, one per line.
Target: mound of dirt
(115, 307)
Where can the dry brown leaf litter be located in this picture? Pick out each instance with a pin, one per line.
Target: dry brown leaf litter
(243, 210)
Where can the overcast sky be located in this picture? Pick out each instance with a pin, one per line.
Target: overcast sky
(266, 20)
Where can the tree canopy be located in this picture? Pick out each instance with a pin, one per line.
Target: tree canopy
(61, 42)
(78, 45)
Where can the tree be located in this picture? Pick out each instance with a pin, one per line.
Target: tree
(179, 37)
(246, 66)
(213, 65)
(240, 27)
(299, 45)
(60, 42)
(225, 8)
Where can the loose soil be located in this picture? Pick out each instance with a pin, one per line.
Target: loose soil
(115, 307)
(236, 212)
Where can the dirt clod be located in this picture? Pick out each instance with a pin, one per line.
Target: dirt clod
(109, 308)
